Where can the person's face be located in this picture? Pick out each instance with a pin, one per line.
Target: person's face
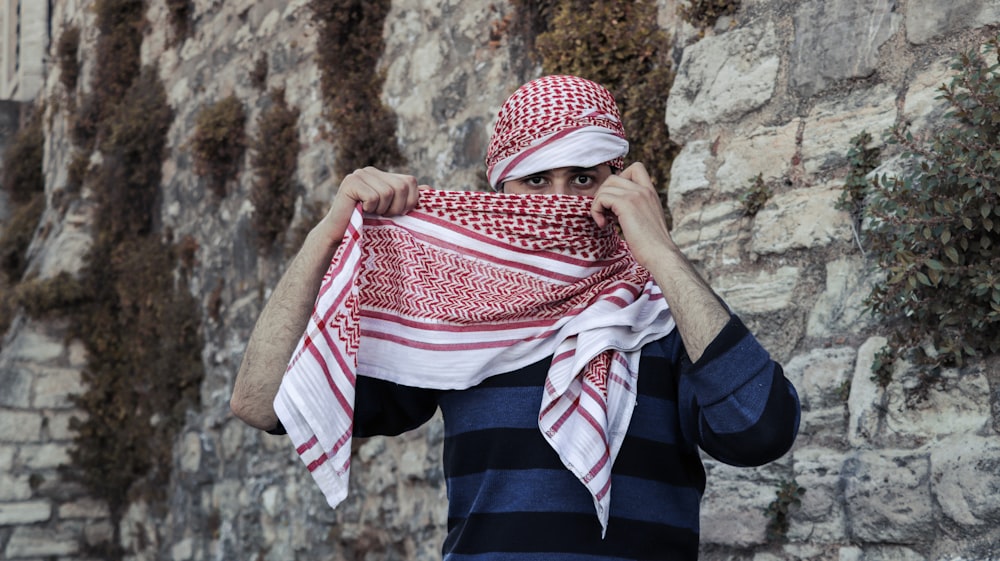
(561, 181)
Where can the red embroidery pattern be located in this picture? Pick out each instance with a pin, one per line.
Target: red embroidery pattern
(549, 105)
(470, 285)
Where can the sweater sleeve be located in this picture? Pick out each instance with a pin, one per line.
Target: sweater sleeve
(735, 401)
(387, 408)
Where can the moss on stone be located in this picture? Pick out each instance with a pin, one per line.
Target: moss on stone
(349, 47)
(67, 50)
(275, 154)
(219, 142)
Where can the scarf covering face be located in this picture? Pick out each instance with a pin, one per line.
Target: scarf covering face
(554, 122)
(466, 286)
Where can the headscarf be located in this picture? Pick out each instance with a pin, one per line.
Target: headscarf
(554, 122)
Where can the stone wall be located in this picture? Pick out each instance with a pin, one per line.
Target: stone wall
(777, 90)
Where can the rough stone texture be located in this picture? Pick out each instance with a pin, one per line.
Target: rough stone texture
(837, 39)
(778, 90)
(723, 77)
(840, 308)
(800, 219)
(830, 126)
(927, 19)
(759, 292)
(888, 497)
(767, 152)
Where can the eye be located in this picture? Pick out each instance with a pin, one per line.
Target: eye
(536, 181)
(584, 181)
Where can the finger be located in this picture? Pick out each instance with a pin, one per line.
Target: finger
(404, 187)
(637, 173)
(599, 211)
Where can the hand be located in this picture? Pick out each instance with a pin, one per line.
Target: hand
(630, 199)
(379, 192)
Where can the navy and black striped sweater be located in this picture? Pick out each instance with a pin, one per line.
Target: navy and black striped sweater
(510, 498)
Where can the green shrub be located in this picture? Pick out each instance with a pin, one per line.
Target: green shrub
(219, 142)
(275, 157)
(134, 144)
(120, 24)
(41, 298)
(754, 198)
(704, 13)
(788, 495)
(349, 47)
(934, 229)
(22, 175)
(17, 235)
(24, 183)
(619, 45)
(67, 50)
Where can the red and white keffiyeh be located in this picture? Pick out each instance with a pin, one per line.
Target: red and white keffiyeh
(470, 285)
(554, 122)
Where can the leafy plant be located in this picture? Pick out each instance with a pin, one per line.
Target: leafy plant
(788, 496)
(219, 141)
(754, 198)
(935, 228)
(862, 159)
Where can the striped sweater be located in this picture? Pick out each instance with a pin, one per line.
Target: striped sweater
(510, 497)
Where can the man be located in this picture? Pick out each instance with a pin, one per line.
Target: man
(681, 373)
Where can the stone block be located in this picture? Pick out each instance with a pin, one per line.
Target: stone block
(965, 479)
(800, 219)
(689, 171)
(43, 456)
(820, 375)
(86, 508)
(723, 77)
(58, 423)
(829, 127)
(14, 487)
(841, 308)
(28, 512)
(34, 346)
(820, 518)
(20, 426)
(712, 231)
(767, 152)
(7, 453)
(32, 541)
(760, 292)
(922, 107)
(54, 386)
(960, 405)
(864, 404)
(732, 509)
(838, 39)
(190, 452)
(928, 19)
(15, 380)
(887, 496)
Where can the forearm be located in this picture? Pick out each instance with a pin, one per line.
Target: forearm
(279, 328)
(699, 313)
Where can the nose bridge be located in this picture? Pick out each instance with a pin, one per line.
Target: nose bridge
(561, 186)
